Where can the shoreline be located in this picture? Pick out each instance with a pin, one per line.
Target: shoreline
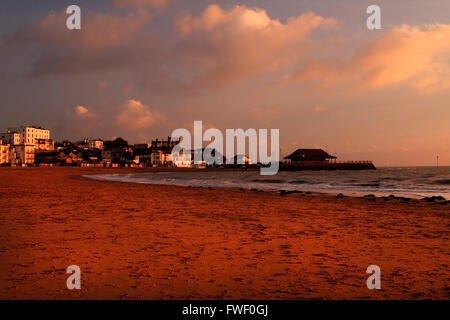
(136, 241)
(325, 192)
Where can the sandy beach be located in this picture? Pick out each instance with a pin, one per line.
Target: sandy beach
(136, 241)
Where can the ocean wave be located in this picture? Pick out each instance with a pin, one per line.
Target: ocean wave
(382, 181)
(268, 180)
(442, 181)
(300, 182)
(376, 184)
(393, 178)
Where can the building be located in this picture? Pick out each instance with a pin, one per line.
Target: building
(10, 137)
(184, 160)
(92, 144)
(144, 152)
(304, 155)
(29, 134)
(162, 144)
(44, 145)
(24, 154)
(4, 154)
(69, 159)
(161, 151)
(24, 141)
(241, 159)
(121, 155)
(106, 156)
(161, 157)
(95, 144)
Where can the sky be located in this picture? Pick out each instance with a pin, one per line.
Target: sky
(139, 69)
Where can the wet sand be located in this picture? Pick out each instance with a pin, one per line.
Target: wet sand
(135, 241)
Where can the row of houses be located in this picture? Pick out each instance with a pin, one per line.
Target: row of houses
(29, 145)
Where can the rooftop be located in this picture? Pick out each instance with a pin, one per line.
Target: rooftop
(309, 154)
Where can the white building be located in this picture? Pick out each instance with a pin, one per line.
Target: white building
(10, 137)
(4, 153)
(184, 160)
(96, 144)
(24, 154)
(28, 135)
(92, 144)
(161, 157)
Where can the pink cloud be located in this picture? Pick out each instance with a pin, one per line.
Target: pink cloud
(134, 115)
(84, 113)
(102, 84)
(239, 17)
(213, 49)
(417, 57)
(219, 47)
(228, 46)
(320, 108)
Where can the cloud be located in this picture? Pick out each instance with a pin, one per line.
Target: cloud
(264, 115)
(102, 84)
(104, 43)
(214, 49)
(140, 3)
(320, 108)
(415, 56)
(205, 126)
(134, 115)
(84, 113)
(237, 18)
(224, 47)
(218, 48)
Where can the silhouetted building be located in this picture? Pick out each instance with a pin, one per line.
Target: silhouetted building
(301, 155)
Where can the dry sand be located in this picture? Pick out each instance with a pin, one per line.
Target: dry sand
(136, 241)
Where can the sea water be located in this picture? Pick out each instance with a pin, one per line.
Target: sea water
(414, 182)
